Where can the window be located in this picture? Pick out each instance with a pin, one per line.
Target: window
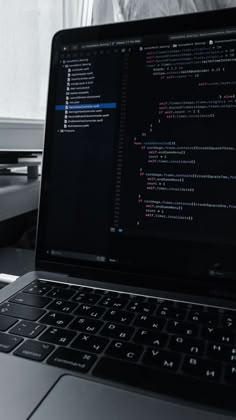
(106, 11)
(26, 30)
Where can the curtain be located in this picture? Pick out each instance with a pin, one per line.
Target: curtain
(118, 10)
(103, 12)
(77, 13)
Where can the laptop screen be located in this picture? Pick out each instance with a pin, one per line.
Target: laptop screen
(140, 171)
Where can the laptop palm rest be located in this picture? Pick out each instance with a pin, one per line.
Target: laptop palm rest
(75, 398)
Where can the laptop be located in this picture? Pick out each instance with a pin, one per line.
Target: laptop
(131, 313)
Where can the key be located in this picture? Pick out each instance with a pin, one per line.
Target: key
(117, 331)
(111, 302)
(21, 311)
(151, 338)
(218, 334)
(231, 354)
(163, 359)
(149, 322)
(119, 303)
(59, 293)
(194, 316)
(72, 360)
(202, 368)
(6, 322)
(120, 317)
(143, 307)
(183, 328)
(90, 343)
(56, 319)
(217, 351)
(171, 312)
(163, 310)
(86, 325)
(37, 288)
(209, 318)
(222, 352)
(62, 306)
(90, 298)
(90, 311)
(30, 300)
(57, 336)
(229, 322)
(126, 351)
(34, 350)
(27, 329)
(8, 342)
(210, 333)
(177, 313)
(186, 345)
(230, 374)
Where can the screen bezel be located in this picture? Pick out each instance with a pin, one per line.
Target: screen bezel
(184, 275)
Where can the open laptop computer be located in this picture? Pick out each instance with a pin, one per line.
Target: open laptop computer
(130, 313)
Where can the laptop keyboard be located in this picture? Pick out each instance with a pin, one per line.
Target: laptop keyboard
(157, 344)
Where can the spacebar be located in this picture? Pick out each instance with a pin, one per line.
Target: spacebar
(164, 382)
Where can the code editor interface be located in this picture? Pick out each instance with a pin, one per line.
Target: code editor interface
(145, 132)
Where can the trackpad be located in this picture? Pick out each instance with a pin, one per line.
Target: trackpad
(73, 398)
